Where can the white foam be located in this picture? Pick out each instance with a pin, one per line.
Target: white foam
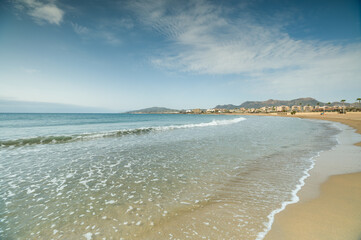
(295, 198)
(10, 194)
(129, 209)
(193, 125)
(110, 202)
(96, 135)
(88, 235)
(163, 128)
(69, 175)
(29, 190)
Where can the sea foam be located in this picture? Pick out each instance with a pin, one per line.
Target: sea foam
(117, 133)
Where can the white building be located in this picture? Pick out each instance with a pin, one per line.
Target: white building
(282, 108)
(307, 108)
(296, 108)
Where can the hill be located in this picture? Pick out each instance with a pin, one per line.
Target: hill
(154, 110)
(272, 102)
(227, 106)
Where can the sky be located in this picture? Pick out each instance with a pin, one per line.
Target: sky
(114, 56)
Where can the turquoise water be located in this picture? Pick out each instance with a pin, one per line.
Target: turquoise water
(122, 176)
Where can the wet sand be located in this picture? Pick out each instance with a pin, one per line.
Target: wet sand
(352, 119)
(329, 206)
(335, 214)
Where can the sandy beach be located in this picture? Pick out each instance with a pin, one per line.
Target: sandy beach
(329, 206)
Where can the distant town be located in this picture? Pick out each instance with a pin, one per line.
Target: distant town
(269, 106)
(274, 109)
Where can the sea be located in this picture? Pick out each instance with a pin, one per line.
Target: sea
(152, 176)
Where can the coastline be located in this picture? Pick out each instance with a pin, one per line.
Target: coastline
(329, 213)
(328, 206)
(325, 203)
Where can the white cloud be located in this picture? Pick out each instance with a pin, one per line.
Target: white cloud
(334, 70)
(103, 34)
(121, 23)
(78, 29)
(204, 40)
(109, 37)
(41, 11)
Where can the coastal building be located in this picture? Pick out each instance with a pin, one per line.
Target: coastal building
(322, 108)
(265, 109)
(222, 110)
(296, 108)
(307, 108)
(282, 108)
(196, 111)
(328, 108)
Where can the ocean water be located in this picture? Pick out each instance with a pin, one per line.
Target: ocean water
(122, 176)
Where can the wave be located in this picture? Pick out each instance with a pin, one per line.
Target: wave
(192, 125)
(118, 133)
(295, 198)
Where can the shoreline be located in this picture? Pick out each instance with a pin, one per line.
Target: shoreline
(295, 199)
(328, 202)
(325, 202)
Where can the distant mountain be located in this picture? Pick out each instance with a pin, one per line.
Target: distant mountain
(227, 106)
(155, 110)
(272, 102)
(341, 104)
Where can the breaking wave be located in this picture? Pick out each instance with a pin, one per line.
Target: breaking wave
(118, 133)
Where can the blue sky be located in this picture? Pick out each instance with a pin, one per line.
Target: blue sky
(123, 55)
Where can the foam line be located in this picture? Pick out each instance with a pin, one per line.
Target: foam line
(295, 198)
(118, 133)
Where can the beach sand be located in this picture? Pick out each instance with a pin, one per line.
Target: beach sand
(353, 119)
(330, 201)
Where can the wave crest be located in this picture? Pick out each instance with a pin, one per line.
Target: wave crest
(118, 133)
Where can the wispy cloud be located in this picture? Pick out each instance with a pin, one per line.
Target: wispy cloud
(109, 37)
(117, 23)
(205, 40)
(41, 11)
(78, 29)
(105, 35)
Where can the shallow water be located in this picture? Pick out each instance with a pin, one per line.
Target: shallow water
(150, 176)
